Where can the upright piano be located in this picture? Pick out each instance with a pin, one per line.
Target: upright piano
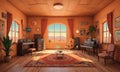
(90, 46)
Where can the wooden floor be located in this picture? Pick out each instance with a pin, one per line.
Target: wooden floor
(17, 64)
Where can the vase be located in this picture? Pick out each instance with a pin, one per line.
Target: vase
(7, 58)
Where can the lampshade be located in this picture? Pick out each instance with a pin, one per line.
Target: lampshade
(58, 6)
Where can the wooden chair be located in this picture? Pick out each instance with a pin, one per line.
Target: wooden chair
(108, 53)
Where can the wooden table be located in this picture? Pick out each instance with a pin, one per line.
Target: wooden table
(59, 55)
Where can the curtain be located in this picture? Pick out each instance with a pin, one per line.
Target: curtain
(110, 25)
(43, 26)
(71, 26)
(9, 22)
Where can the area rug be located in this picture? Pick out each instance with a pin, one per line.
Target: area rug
(52, 61)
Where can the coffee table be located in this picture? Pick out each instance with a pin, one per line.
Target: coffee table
(59, 55)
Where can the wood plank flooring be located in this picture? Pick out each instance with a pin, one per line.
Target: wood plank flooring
(17, 64)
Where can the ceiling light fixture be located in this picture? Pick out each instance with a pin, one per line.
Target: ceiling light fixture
(58, 6)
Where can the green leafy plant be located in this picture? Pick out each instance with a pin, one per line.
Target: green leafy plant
(7, 42)
(91, 30)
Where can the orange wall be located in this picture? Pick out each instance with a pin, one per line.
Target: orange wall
(17, 16)
(62, 20)
(101, 17)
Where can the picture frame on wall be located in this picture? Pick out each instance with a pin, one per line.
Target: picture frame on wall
(82, 31)
(4, 15)
(2, 23)
(117, 35)
(117, 22)
(83, 23)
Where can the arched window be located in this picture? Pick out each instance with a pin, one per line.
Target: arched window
(57, 33)
(106, 33)
(14, 31)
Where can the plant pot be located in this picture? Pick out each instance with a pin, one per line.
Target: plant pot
(7, 58)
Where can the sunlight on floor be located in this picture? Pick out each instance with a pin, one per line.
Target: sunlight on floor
(47, 52)
(54, 51)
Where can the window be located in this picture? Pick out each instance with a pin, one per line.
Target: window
(106, 33)
(57, 33)
(14, 31)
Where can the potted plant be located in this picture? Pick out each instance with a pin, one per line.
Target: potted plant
(7, 42)
(91, 30)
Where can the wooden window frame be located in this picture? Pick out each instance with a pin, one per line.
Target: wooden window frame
(14, 31)
(108, 37)
(54, 41)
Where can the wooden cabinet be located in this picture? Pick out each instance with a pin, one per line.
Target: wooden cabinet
(39, 44)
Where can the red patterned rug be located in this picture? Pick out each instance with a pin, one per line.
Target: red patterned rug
(51, 60)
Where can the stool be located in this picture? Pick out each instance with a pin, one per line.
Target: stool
(31, 50)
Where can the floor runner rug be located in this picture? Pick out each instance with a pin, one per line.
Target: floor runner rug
(67, 60)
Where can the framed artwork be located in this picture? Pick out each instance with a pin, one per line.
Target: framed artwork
(117, 35)
(4, 15)
(82, 32)
(117, 22)
(2, 23)
(96, 23)
(83, 23)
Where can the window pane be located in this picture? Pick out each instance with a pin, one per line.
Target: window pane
(63, 28)
(51, 36)
(57, 27)
(57, 33)
(14, 31)
(107, 33)
(12, 26)
(13, 35)
(57, 37)
(105, 37)
(105, 27)
(16, 27)
(51, 28)
(10, 35)
(16, 34)
(63, 37)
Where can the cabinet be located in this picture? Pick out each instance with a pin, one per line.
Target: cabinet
(39, 44)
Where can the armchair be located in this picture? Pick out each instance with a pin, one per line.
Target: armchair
(108, 53)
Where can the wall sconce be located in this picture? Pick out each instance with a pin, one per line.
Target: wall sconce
(77, 31)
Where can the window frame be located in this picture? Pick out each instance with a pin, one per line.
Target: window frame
(107, 35)
(14, 31)
(59, 31)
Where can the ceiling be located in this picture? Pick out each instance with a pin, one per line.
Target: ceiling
(71, 7)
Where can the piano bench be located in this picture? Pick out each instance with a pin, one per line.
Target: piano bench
(31, 50)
